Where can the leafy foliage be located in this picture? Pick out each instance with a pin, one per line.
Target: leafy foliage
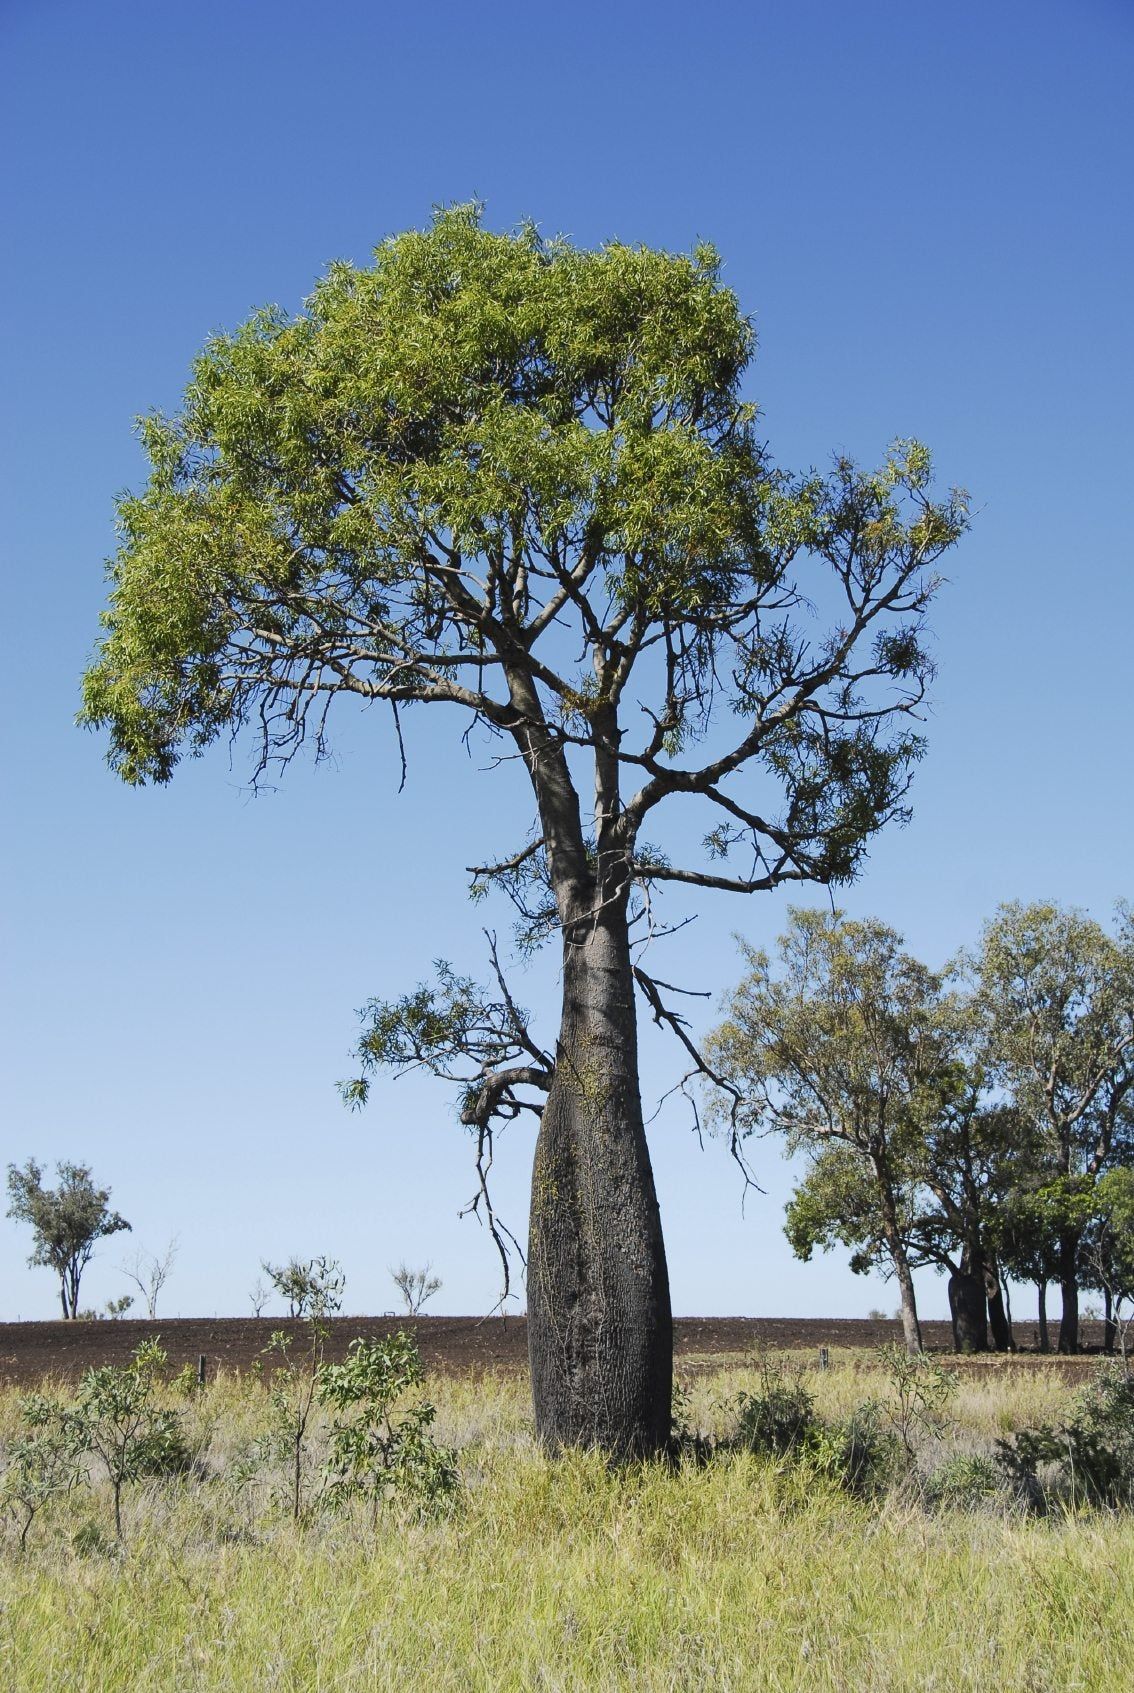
(1087, 1459)
(779, 1418)
(67, 1221)
(379, 1452)
(119, 1421)
(43, 1462)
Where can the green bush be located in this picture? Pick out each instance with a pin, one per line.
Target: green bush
(1086, 1460)
(117, 1420)
(963, 1481)
(777, 1420)
(381, 1448)
(859, 1452)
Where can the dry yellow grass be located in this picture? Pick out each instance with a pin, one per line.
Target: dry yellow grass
(563, 1575)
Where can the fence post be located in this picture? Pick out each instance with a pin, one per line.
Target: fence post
(201, 1370)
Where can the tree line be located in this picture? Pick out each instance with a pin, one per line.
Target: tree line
(978, 1120)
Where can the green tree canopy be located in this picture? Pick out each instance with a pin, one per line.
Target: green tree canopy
(1055, 993)
(67, 1221)
(846, 1041)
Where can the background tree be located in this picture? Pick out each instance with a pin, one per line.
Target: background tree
(946, 1193)
(1107, 1253)
(416, 1287)
(1028, 1225)
(501, 474)
(149, 1272)
(67, 1221)
(970, 1156)
(845, 1042)
(1057, 997)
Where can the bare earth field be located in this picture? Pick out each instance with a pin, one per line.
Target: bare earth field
(454, 1346)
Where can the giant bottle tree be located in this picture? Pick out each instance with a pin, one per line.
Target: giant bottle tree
(510, 477)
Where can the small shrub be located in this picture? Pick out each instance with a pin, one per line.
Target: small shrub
(43, 1461)
(920, 1391)
(376, 1453)
(117, 1420)
(859, 1453)
(962, 1482)
(1086, 1460)
(778, 1419)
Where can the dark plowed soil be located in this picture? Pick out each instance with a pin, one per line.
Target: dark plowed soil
(451, 1345)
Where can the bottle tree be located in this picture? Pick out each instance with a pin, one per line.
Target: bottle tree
(505, 475)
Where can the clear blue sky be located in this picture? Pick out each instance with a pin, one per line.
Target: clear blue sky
(926, 207)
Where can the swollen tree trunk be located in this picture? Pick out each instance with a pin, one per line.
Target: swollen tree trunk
(967, 1308)
(1069, 1287)
(600, 1333)
(1041, 1303)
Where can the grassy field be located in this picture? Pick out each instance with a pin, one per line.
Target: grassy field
(740, 1572)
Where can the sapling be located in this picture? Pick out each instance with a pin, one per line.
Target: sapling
(920, 1393)
(314, 1291)
(119, 1422)
(44, 1461)
(377, 1452)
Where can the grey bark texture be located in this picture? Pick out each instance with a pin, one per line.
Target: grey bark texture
(600, 1333)
(967, 1308)
(1069, 1288)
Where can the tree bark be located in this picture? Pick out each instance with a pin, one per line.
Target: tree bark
(1110, 1328)
(1069, 1288)
(967, 1306)
(896, 1247)
(1041, 1306)
(600, 1331)
(998, 1321)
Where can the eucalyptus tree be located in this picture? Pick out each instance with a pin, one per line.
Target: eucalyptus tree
(1056, 992)
(849, 1048)
(67, 1221)
(518, 479)
(945, 1194)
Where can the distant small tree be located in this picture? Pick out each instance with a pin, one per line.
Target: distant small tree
(149, 1273)
(415, 1286)
(67, 1221)
(312, 1286)
(1107, 1255)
